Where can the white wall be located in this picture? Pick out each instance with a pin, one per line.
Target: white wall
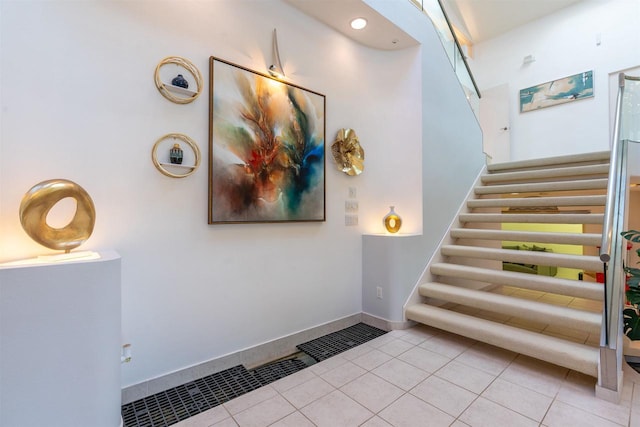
(79, 102)
(563, 44)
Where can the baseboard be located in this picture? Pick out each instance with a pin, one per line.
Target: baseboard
(384, 324)
(250, 358)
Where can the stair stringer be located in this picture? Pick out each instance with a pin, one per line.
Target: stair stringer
(437, 257)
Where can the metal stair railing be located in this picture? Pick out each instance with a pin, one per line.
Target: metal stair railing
(612, 253)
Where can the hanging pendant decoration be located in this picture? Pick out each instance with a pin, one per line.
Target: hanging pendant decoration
(392, 221)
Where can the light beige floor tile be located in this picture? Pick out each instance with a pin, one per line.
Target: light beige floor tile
(293, 420)
(418, 334)
(372, 359)
(530, 325)
(447, 344)
(372, 392)
(264, 413)
(519, 399)
(528, 294)
(327, 364)
(381, 340)
(306, 393)
(587, 304)
(395, 347)
(579, 391)
(424, 359)
(465, 376)
(401, 374)
(227, 422)
(205, 419)
(376, 422)
(336, 409)
(444, 395)
(459, 423)
(356, 352)
(488, 358)
(578, 335)
(409, 411)
(293, 380)
(343, 374)
(535, 375)
(556, 299)
(563, 415)
(250, 399)
(484, 413)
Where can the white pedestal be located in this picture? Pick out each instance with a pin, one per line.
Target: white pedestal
(60, 343)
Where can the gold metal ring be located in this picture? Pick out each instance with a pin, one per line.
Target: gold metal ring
(186, 139)
(37, 203)
(187, 65)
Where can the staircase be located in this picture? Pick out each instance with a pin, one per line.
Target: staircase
(466, 291)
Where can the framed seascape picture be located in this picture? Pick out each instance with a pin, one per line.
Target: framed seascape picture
(266, 148)
(568, 89)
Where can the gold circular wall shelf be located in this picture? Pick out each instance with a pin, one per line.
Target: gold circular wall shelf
(161, 165)
(41, 198)
(169, 91)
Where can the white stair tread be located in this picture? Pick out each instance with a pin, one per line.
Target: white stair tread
(579, 357)
(597, 200)
(584, 184)
(574, 288)
(518, 307)
(545, 174)
(559, 218)
(573, 159)
(584, 262)
(586, 239)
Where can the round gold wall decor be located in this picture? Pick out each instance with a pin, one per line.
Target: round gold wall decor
(41, 198)
(166, 90)
(348, 153)
(161, 166)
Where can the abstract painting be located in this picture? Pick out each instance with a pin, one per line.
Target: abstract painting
(266, 148)
(568, 89)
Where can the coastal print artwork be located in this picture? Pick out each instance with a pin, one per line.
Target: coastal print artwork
(266, 148)
(568, 89)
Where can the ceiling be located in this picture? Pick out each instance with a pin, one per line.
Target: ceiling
(479, 19)
(486, 19)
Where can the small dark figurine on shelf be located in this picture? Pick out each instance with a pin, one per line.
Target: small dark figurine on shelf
(180, 82)
(175, 154)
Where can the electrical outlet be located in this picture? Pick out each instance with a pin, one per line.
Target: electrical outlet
(125, 356)
(379, 292)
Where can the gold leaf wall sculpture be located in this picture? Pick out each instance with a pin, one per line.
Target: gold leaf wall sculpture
(348, 153)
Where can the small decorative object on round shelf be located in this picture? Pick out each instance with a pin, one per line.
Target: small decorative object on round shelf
(41, 198)
(171, 91)
(348, 153)
(392, 221)
(176, 154)
(178, 165)
(180, 81)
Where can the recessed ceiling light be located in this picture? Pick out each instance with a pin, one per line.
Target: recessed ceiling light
(358, 23)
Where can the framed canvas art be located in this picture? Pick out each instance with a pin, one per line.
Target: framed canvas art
(567, 89)
(266, 148)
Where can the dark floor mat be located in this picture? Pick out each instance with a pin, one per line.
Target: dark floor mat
(171, 406)
(329, 345)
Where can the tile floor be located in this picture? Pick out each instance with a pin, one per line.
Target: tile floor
(426, 377)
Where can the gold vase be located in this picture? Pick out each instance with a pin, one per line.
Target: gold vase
(392, 221)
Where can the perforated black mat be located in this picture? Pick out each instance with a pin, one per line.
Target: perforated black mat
(329, 345)
(179, 403)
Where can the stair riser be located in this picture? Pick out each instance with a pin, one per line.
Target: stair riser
(592, 184)
(589, 172)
